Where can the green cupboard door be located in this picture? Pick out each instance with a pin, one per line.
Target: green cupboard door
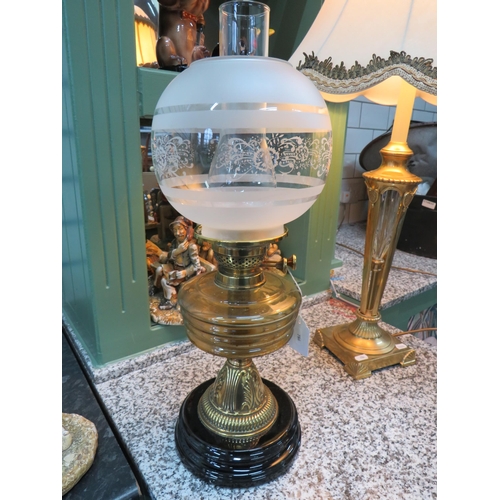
(105, 292)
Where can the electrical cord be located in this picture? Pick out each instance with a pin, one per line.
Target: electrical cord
(414, 331)
(343, 205)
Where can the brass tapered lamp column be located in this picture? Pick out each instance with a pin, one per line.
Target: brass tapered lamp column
(364, 345)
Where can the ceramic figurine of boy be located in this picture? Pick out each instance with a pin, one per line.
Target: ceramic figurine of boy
(179, 263)
(207, 253)
(273, 253)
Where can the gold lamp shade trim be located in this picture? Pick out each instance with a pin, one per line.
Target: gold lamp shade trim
(417, 71)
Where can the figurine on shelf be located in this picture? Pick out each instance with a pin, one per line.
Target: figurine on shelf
(179, 263)
(153, 252)
(180, 33)
(273, 253)
(150, 215)
(165, 214)
(207, 253)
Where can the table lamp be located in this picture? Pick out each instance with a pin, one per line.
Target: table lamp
(241, 145)
(145, 38)
(389, 47)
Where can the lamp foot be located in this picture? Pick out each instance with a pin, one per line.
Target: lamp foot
(206, 457)
(360, 366)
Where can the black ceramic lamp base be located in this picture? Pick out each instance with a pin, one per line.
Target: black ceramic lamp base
(207, 459)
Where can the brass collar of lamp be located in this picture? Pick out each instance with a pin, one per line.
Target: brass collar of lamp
(384, 50)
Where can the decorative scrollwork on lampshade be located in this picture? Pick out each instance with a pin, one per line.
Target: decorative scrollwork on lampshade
(417, 71)
(356, 48)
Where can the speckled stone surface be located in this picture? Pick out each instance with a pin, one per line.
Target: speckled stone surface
(368, 439)
(120, 368)
(401, 285)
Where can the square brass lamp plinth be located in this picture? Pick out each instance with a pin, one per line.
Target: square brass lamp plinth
(363, 345)
(358, 365)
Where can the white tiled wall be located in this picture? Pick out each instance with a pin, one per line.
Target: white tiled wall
(366, 121)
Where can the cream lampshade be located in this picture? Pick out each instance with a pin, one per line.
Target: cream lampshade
(145, 38)
(383, 50)
(350, 45)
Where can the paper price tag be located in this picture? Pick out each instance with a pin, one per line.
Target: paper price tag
(361, 357)
(400, 346)
(300, 337)
(428, 204)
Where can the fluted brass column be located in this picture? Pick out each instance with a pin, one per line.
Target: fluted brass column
(363, 345)
(238, 407)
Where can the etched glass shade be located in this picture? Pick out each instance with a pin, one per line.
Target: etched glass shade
(241, 145)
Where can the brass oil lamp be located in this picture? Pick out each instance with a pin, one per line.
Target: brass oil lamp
(241, 146)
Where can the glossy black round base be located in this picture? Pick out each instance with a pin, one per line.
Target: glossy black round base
(205, 457)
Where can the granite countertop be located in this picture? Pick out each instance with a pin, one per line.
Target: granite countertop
(368, 439)
(402, 283)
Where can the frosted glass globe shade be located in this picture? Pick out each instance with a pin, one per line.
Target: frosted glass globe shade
(241, 145)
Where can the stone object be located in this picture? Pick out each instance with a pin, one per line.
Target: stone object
(79, 455)
(67, 439)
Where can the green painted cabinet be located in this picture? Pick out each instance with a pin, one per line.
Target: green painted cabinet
(312, 236)
(105, 290)
(104, 279)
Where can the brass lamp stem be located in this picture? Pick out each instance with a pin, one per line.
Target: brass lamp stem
(390, 188)
(238, 407)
